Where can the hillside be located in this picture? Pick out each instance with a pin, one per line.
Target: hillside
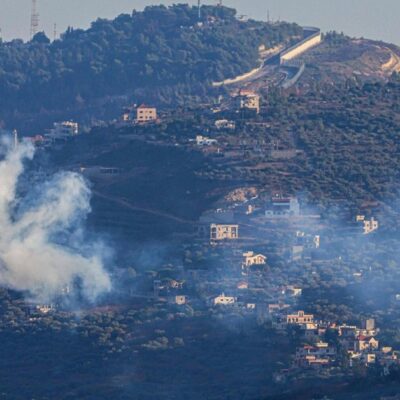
(251, 238)
(159, 55)
(342, 58)
(158, 192)
(337, 145)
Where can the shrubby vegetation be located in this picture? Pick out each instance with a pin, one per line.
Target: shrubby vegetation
(162, 51)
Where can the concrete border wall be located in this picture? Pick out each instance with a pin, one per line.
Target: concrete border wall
(290, 82)
(311, 40)
(238, 78)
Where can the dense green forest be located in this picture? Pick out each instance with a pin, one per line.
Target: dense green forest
(163, 49)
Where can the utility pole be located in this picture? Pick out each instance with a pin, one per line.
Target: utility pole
(34, 19)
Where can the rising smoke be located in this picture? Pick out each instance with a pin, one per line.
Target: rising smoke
(42, 248)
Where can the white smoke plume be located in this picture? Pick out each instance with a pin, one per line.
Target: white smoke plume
(42, 250)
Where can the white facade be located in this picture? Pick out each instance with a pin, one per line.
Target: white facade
(224, 300)
(64, 130)
(282, 207)
(205, 141)
(225, 124)
(301, 48)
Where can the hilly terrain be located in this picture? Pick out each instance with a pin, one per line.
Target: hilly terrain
(342, 58)
(187, 316)
(160, 55)
(334, 145)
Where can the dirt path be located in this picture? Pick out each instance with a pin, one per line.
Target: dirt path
(393, 65)
(130, 206)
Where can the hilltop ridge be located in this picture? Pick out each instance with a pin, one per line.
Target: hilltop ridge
(163, 54)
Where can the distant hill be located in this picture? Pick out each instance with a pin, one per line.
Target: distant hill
(159, 55)
(341, 58)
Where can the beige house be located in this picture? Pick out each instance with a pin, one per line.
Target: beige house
(242, 285)
(293, 291)
(180, 300)
(224, 232)
(45, 308)
(146, 114)
(369, 225)
(248, 100)
(173, 284)
(300, 318)
(369, 358)
(363, 343)
(250, 258)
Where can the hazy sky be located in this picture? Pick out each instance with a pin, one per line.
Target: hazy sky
(376, 19)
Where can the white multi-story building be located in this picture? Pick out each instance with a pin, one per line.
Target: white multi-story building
(63, 130)
(283, 207)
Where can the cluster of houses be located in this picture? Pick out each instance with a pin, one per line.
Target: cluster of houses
(65, 130)
(242, 301)
(363, 347)
(359, 343)
(317, 355)
(170, 290)
(244, 102)
(222, 225)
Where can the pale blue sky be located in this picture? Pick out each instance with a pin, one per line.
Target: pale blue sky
(376, 19)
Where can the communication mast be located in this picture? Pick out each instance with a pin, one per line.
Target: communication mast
(34, 19)
(55, 32)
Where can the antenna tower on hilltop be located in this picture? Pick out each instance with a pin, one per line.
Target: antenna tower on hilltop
(34, 19)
